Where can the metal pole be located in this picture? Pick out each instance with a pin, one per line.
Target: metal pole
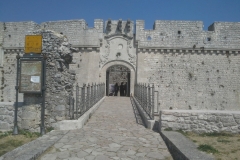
(84, 99)
(153, 100)
(77, 99)
(42, 129)
(15, 128)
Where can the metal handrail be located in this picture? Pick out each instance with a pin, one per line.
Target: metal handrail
(144, 94)
(86, 97)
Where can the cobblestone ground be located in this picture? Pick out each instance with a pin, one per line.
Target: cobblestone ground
(113, 132)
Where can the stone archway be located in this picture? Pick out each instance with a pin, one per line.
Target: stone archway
(121, 75)
(104, 69)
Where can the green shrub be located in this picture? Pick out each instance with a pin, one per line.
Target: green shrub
(168, 129)
(216, 134)
(49, 129)
(5, 134)
(207, 148)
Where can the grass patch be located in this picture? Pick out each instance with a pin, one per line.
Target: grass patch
(221, 145)
(207, 148)
(5, 134)
(223, 140)
(28, 134)
(9, 142)
(216, 134)
(168, 129)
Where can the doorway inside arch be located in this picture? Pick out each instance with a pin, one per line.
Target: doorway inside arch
(121, 75)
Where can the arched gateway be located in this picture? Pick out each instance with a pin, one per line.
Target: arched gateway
(118, 74)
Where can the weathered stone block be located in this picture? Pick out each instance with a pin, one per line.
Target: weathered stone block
(219, 125)
(211, 118)
(226, 129)
(202, 117)
(184, 126)
(214, 128)
(194, 114)
(60, 108)
(9, 119)
(58, 118)
(185, 114)
(169, 118)
(177, 114)
(30, 115)
(237, 121)
(4, 126)
(10, 108)
(192, 118)
(235, 128)
(193, 126)
(229, 124)
(180, 119)
(188, 122)
(227, 119)
(236, 116)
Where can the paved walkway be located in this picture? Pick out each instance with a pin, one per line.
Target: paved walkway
(113, 132)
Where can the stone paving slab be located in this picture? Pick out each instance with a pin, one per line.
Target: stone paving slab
(111, 133)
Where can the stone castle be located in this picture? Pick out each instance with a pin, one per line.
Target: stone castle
(191, 69)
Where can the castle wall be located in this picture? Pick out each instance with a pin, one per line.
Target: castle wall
(77, 31)
(188, 34)
(9, 72)
(175, 54)
(86, 66)
(197, 81)
(14, 33)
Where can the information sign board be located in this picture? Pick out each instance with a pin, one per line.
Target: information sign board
(33, 44)
(31, 73)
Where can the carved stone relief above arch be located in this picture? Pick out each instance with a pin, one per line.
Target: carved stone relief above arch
(118, 48)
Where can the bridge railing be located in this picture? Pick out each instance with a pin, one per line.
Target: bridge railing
(144, 94)
(86, 97)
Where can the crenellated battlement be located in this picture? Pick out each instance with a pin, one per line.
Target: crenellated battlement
(165, 33)
(188, 34)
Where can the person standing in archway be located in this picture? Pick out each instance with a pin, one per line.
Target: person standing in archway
(116, 88)
(121, 89)
(125, 89)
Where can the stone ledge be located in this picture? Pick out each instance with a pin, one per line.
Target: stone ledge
(77, 124)
(34, 149)
(182, 148)
(150, 124)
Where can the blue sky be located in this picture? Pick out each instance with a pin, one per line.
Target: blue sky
(40, 11)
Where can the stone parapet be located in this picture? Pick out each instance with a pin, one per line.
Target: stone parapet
(201, 121)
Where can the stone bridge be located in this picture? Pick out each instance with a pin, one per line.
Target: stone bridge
(114, 131)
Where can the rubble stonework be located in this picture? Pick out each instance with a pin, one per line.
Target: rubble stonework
(201, 121)
(7, 115)
(59, 83)
(191, 68)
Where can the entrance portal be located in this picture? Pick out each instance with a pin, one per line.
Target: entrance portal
(121, 75)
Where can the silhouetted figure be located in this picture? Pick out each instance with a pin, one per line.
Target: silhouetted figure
(125, 89)
(116, 88)
(122, 89)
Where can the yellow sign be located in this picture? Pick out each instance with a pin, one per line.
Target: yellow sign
(33, 44)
